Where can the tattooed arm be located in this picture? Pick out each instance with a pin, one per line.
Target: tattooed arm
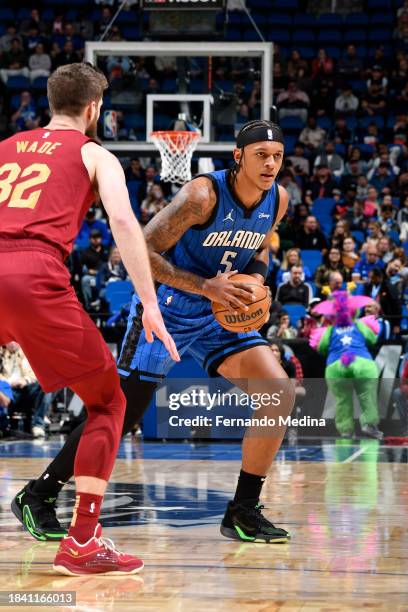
(192, 205)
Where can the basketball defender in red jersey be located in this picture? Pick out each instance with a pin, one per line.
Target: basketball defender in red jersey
(48, 179)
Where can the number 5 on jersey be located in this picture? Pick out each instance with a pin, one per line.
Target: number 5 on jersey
(12, 189)
(226, 260)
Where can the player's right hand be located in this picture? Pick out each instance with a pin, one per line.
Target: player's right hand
(153, 324)
(224, 290)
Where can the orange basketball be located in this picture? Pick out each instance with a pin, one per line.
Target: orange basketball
(254, 317)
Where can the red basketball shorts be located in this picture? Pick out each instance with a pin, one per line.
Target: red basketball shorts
(40, 311)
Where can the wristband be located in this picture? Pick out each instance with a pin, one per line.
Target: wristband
(257, 267)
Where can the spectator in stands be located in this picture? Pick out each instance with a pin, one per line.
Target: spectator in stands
(33, 20)
(152, 204)
(291, 365)
(340, 232)
(312, 136)
(67, 56)
(335, 283)
(367, 263)
(14, 62)
(382, 177)
(374, 102)
(346, 102)
(32, 39)
(111, 271)
(322, 65)
(25, 117)
(362, 187)
(298, 159)
(402, 219)
(39, 63)
(374, 309)
(28, 398)
(385, 250)
(322, 184)
(349, 256)
(135, 171)
(340, 133)
(372, 203)
(311, 321)
(293, 102)
(295, 291)
(151, 179)
(83, 26)
(400, 397)
(292, 257)
(8, 37)
(283, 328)
(356, 218)
(332, 263)
(382, 291)
(387, 220)
(91, 223)
(350, 65)
(310, 236)
(393, 274)
(378, 78)
(287, 181)
(106, 18)
(331, 160)
(91, 262)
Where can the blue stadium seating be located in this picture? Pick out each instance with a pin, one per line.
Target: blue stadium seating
(42, 102)
(39, 84)
(356, 19)
(312, 259)
(287, 5)
(131, 32)
(303, 37)
(6, 14)
(302, 20)
(331, 20)
(295, 312)
(324, 122)
(134, 121)
(358, 236)
(292, 124)
(23, 13)
(18, 83)
(355, 36)
(280, 19)
(281, 37)
(118, 294)
(329, 36)
(380, 35)
(379, 5)
(323, 207)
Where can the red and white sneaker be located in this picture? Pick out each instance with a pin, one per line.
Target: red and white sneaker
(97, 556)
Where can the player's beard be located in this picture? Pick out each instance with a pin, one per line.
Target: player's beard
(92, 129)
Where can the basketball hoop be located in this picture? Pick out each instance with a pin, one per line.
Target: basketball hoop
(176, 150)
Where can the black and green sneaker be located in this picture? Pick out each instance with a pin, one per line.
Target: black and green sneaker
(244, 521)
(37, 514)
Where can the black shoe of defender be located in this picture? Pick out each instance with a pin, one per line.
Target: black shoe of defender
(37, 514)
(244, 521)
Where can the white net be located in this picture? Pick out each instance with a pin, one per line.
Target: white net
(176, 150)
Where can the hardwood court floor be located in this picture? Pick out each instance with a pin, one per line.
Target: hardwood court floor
(345, 506)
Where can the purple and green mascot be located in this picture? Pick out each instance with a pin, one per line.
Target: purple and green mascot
(350, 367)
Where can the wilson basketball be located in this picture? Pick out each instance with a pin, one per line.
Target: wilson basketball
(253, 318)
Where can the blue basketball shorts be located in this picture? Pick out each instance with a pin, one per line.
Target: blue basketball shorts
(191, 323)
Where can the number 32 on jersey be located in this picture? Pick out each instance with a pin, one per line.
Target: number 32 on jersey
(12, 187)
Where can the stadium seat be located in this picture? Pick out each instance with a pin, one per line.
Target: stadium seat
(234, 17)
(305, 20)
(312, 259)
(303, 37)
(331, 20)
(280, 19)
(380, 35)
(306, 52)
(117, 294)
(325, 123)
(358, 236)
(355, 36)
(382, 19)
(42, 102)
(6, 14)
(329, 36)
(292, 124)
(333, 52)
(131, 33)
(251, 35)
(134, 121)
(196, 86)
(39, 84)
(295, 312)
(169, 86)
(127, 17)
(223, 86)
(282, 36)
(18, 83)
(374, 5)
(323, 207)
(356, 19)
(23, 13)
(364, 122)
(287, 5)
(233, 34)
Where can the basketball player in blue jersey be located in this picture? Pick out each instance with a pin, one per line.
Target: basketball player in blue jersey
(218, 224)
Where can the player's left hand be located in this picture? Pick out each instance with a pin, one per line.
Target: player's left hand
(153, 324)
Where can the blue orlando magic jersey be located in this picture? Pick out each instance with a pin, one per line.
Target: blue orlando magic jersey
(232, 235)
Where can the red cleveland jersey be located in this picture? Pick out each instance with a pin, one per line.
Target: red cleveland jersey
(45, 189)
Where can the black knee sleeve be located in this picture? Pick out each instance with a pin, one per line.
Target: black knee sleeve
(139, 394)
